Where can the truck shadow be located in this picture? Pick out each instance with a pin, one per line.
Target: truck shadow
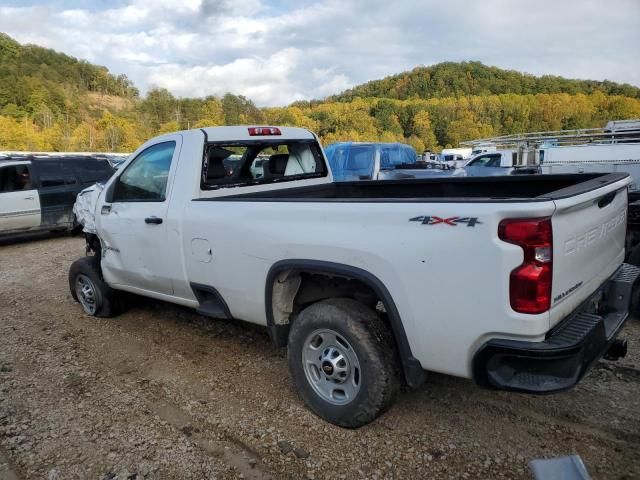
(219, 328)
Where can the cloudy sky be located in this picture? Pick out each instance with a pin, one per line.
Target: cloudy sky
(278, 51)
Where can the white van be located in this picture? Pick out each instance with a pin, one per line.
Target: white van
(589, 158)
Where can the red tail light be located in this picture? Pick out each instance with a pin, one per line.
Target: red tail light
(530, 283)
(262, 131)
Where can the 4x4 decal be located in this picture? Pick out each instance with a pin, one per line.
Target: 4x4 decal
(451, 221)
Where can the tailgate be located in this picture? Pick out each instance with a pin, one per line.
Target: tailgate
(588, 244)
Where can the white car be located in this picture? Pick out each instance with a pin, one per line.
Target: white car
(337, 272)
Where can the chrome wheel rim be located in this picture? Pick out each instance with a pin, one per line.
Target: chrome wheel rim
(331, 366)
(86, 293)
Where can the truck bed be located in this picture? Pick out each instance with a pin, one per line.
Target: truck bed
(462, 189)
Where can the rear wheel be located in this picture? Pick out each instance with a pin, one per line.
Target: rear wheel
(89, 289)
(343, 362)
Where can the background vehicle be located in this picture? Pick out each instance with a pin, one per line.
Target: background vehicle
(614, 148)
(496, 163)
(337, 271)
(490, 164)
(478, 149)
(455, 157)
(351, 161)
(38, 193)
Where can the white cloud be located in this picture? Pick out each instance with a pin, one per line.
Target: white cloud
(265, 80)
(275, 53)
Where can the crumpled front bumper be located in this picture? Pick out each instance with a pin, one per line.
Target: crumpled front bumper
(563, 358)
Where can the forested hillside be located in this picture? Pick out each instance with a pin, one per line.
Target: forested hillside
(37, 81)
(50, 101)
(450, 79)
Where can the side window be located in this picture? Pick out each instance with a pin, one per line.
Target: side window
(55, 174)
(145, 179)
(360, 162)
(390, 156)
(93, 170)
(486, 161)
(15, 178)
(409, 155)
(336, 155)
(480, 161)
(494, 161)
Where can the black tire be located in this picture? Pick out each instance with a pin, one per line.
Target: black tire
(368, 336)
(105, 297)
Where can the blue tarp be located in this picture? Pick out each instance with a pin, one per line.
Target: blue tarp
(356, 161)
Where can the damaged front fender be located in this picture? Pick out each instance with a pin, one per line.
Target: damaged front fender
(85, 207)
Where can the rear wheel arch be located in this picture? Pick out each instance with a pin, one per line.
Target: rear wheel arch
(289, 269)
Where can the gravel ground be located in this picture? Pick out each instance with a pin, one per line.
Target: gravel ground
(160, 392)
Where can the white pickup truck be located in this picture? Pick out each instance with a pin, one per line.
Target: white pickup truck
(362, 280)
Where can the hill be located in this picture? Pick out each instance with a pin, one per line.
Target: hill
(51, 101)
(451, 79)
(40, 81)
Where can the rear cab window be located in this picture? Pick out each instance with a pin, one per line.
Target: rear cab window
(259, 162)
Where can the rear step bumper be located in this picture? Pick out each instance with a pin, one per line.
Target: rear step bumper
(562, 359)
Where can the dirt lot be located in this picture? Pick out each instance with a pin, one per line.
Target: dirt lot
(160, 392)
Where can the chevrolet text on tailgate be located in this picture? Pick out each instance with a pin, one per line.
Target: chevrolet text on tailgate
(355, 278)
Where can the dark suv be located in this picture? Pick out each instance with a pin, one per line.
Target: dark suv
(38, 192)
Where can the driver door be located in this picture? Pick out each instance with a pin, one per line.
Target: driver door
(133, 225)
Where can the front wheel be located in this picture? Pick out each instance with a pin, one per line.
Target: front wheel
(343, 361)
(89, 289)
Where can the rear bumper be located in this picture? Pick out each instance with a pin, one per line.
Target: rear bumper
(562, 359)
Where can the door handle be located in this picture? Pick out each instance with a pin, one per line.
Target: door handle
(28, 198)
(153, 220)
